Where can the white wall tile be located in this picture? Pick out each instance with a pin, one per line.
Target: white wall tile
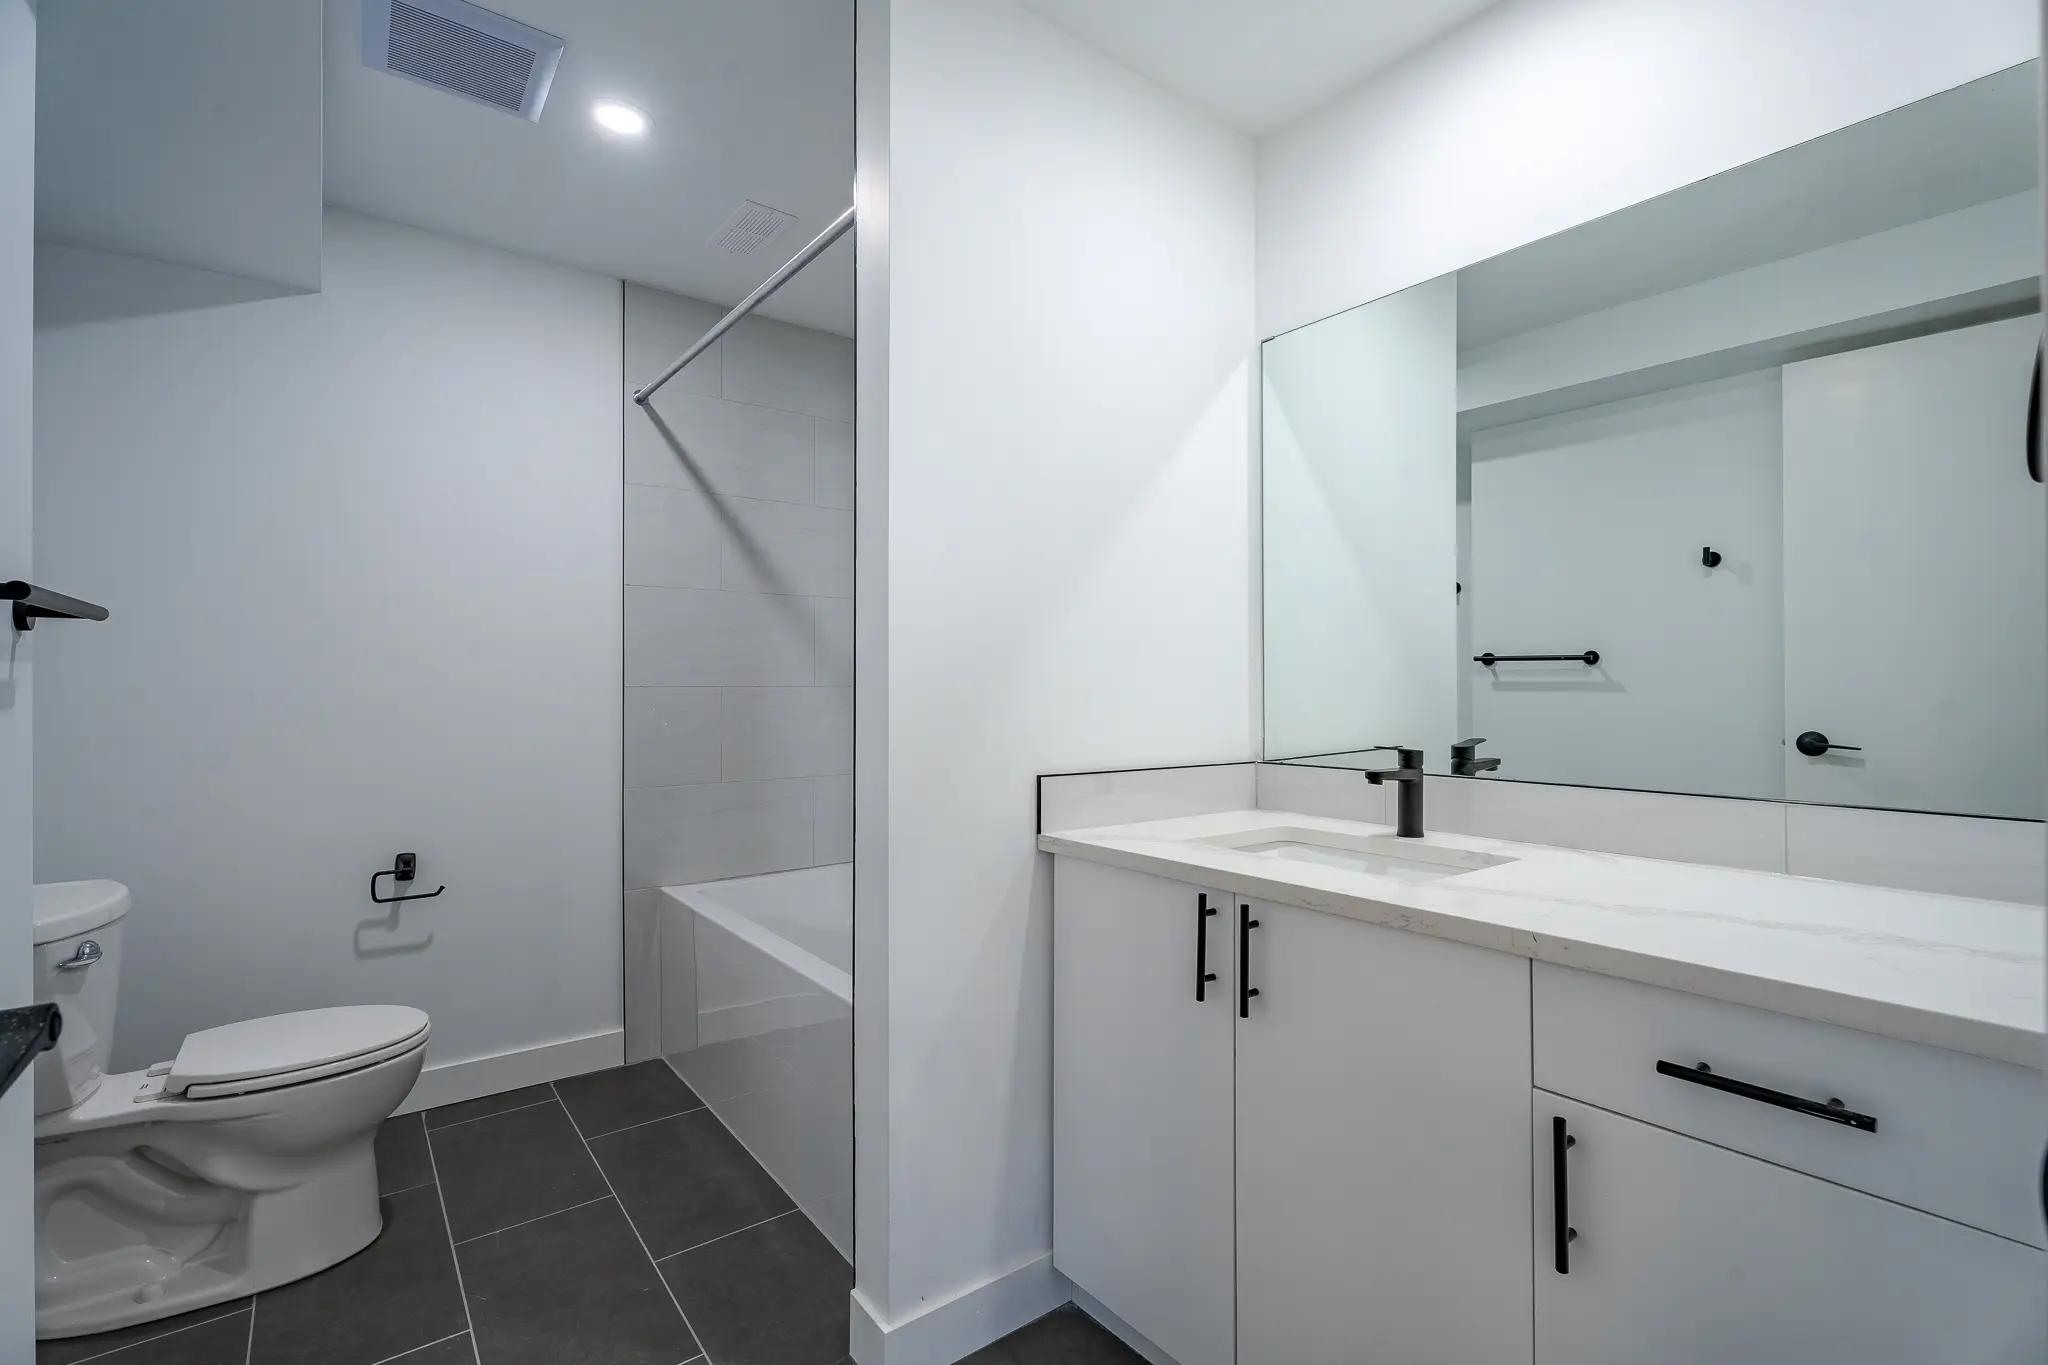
(1692, 829)
(782, 547)
(642, 972)
(686, 440)
(835, 463)
(834, 617)
(1338, 793)
(1954, 855)
(787, 732)
(1089, 800)
(672, 735)
(674, 538)
(792, 368)
(679, 637)
(678, 835)
(832, 809)
(659, 327)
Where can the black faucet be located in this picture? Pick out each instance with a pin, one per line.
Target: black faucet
(1465, 759)
(1408, 776)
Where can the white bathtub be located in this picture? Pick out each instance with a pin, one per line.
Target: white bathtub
(757, 1015)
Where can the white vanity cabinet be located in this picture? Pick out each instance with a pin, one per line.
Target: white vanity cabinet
(1142, 1106)
(1382, 1167)
(1323, 1160)
(1689, 1254)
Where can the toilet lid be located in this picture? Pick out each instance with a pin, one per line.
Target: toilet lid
(233, 1055)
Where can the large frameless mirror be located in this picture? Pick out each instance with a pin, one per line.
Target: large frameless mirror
(1726, 493)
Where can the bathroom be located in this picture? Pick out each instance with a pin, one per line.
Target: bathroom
(1201, 396)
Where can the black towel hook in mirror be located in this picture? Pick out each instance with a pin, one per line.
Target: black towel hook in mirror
(1710, 556)
(403, 869)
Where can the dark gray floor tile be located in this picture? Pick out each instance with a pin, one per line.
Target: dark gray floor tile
(511, 1167)
(402, 1161)
(488, 1104)
(771, 1295)
(453, 1351)
(224, 1341)
(73, 1349)
(606, 1101)
(1064, 1337)
(574, 1289)
(685, 1180)
(397, 1293)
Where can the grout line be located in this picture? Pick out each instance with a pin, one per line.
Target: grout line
(421, 1347)
(249, 1349)
(525, 1221)
(652, 1264)
(734, 1233)
(386, 1194)
(644, 1122)
(209, 1322)
(434, 1162)
(444, 1127)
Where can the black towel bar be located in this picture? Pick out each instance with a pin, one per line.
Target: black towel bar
(1589, 658)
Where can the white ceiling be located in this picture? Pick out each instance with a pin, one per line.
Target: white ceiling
(1257, 64)
(1964, 146)
(749, 100)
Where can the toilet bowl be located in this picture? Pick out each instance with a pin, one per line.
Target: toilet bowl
(242, 1164)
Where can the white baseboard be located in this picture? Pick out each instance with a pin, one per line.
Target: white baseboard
(955, 1328)
(1121, 1330)
(475, 1077)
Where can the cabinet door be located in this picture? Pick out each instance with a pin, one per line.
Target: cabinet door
(1142, 1104)
(1382, 1163)
(1690, 1254)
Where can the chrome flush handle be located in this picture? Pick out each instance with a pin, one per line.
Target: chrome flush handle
(88, 953)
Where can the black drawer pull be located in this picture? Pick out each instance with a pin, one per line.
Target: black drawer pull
(1203, 976)
(1834, 1111)
(1562, 1231)
(1245, 989)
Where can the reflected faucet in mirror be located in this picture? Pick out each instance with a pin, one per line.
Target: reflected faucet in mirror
(1408, 780)
(1465, 759)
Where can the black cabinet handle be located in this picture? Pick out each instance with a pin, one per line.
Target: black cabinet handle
(1245, 989)
(1562, 1231)
(2034, 421)
(1834, 1111)
(1203, 976)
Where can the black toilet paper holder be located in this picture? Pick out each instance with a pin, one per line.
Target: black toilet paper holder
(403, 869)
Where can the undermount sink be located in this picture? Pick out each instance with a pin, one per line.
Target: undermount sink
(1381, 855)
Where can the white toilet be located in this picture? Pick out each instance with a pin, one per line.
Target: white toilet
(242, 1164)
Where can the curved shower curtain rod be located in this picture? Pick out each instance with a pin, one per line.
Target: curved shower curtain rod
(751, 302)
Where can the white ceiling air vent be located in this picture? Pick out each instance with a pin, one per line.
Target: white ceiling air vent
(463, 49)
(752, 227)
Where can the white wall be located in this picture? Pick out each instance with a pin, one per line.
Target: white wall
(186, 133)
(17, 260)
(1586, 531)
(362, 553)
(1542, 114)
(1360, 437)
(1067, 325)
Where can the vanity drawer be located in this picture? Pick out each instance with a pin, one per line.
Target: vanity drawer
(1955, 1135)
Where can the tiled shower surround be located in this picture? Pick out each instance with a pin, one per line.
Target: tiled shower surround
(738, 598)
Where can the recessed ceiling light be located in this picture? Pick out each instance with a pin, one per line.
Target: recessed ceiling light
(619, 118)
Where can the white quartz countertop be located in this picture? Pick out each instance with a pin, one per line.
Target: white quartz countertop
(1947, 971)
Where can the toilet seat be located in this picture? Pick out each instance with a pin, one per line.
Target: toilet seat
(289, 1049)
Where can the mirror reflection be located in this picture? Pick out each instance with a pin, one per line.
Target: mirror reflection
(1726, 493)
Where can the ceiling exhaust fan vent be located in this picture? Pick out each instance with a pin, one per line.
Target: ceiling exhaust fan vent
(752, 227)
(463, 49)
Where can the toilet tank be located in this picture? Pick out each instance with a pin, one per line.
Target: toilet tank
(78, 968)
